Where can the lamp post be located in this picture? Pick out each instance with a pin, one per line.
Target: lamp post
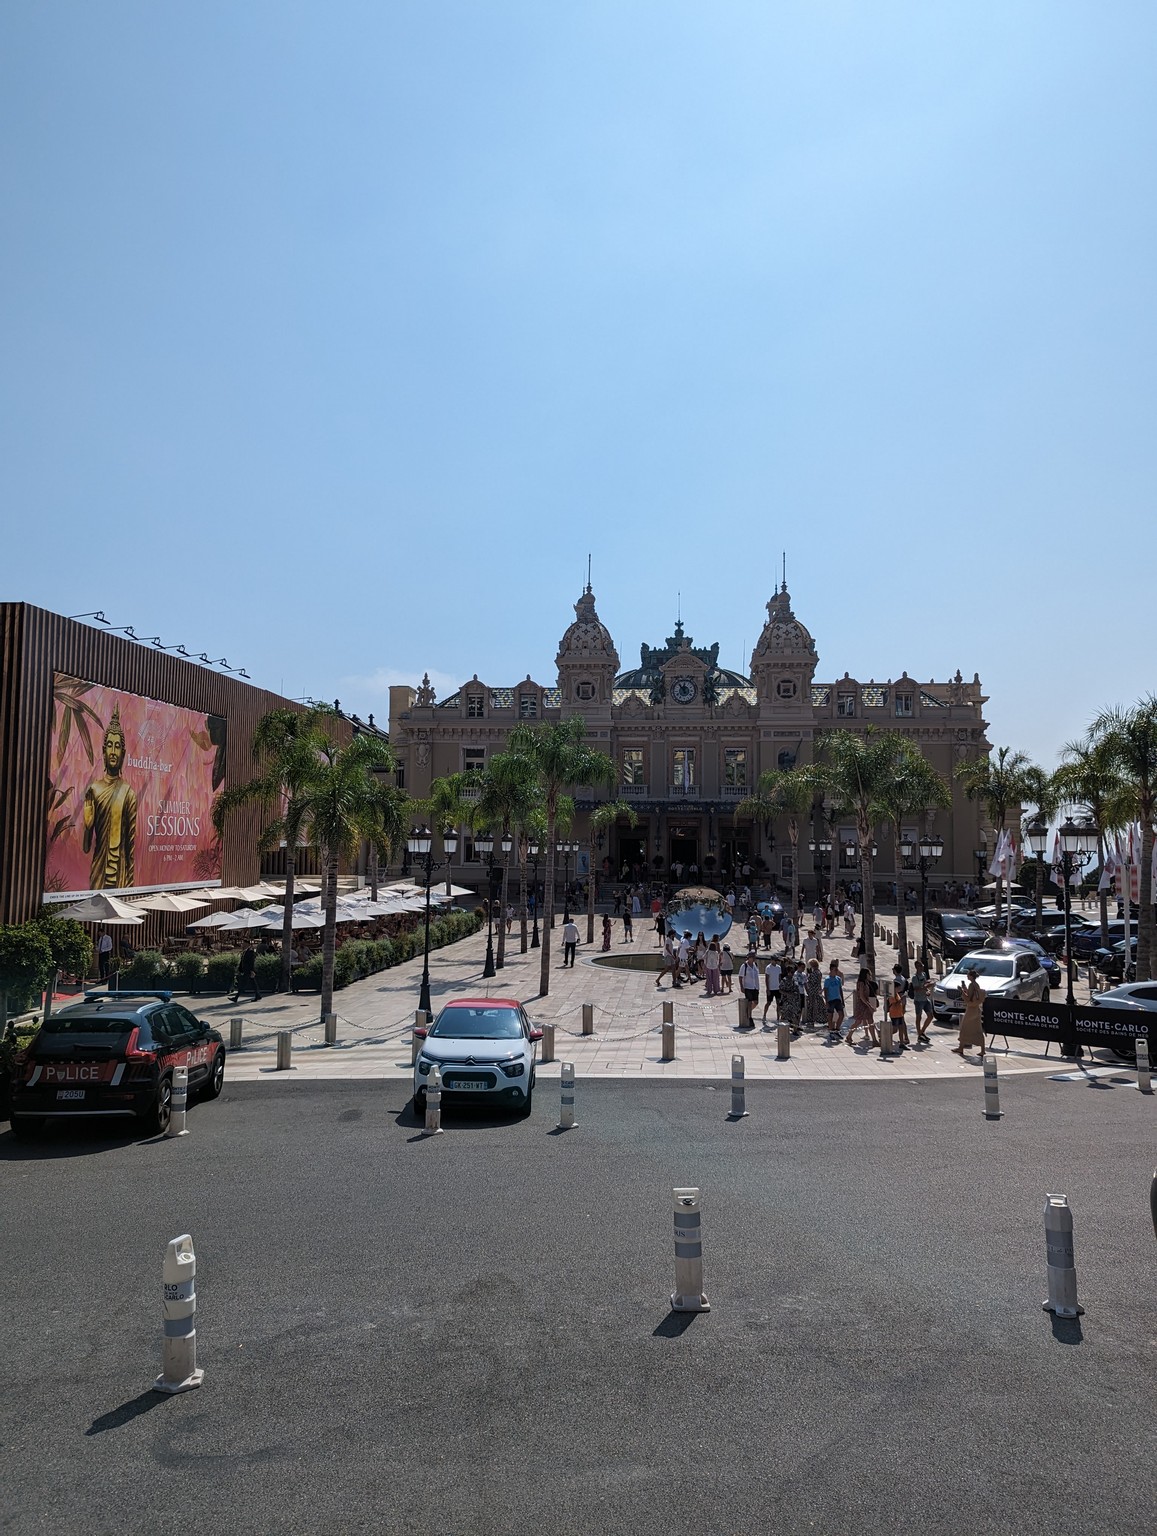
(419, 845)
(981, 857)
(823, 846)
(533, 850)
(931, 851)
(871, 851)
(1036, 835)
(503, 869)
(484, 844)
(1078, 842)
(566, 849)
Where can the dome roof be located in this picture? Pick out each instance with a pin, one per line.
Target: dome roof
(783, 634)
(588, 638)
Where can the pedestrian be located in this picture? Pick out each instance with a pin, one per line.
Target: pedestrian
(618, 900)
(767, 928)
(921, 987)
(104, 954)
(815, 1011)
(972, 1020)
(772, 976)
(864, 1006)
(849, 919)
(684, 951)
(726, 968)
(711, 968)
(818, 914)
(812, 947)
(670, 963)
(660, 926)
(752, 931)
(246, 978)
(700, 955)
(834, 1000)
(897, 1005)
(636, 905)
(788, 933)
(749, 986)
(606, 932)
(788, 1006)
(570, 938)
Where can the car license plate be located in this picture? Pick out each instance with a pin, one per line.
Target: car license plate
(469, 1082)
(70, 1093)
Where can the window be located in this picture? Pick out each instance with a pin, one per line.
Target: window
(846, 706)
(786, 761)
(473, 759)
(903, 704)
(474, 706)
(467, 846)
(527, 706)
(585, 690)
(683, 767)
(400, 776)
(785, 688)
(735, 767)
(633, 766)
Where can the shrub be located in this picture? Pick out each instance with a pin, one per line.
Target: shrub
(220, 973)
(188, 972)
(365, 957)
(25, 965)
(69, 942)
(268, 973)
(148, 968)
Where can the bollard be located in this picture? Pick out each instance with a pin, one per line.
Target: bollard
(939, 966)
(418, 1033)
(668, 1041)
(1153, 1200)
(744, 1012)
(688, 1295)
(911, 950)
(885, 1037)
(566, 1119)
(738, 1094)
(782, 1042)
(236, 1025)
(178, 1102)
(433, 1126)
(1062, 1274)
(179, 1371)
(588, 1018)
(991, 1089)
(331, 1029)
(668, 1013)
(1144, 1080)
(547, 1042)
(284, 1050)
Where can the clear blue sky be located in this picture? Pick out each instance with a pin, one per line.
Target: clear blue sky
(333, 335)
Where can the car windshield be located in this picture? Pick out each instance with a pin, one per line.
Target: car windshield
(478, 1024)
(985, 965)
(960, 925)
(86, 1024)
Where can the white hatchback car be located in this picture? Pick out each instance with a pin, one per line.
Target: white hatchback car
(485, 1048)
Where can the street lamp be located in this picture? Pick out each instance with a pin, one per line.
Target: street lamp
(566, 849)
(981, 857)
(1036, 835)
(532, 851)
(1078, 842)
(419, 845)
(507, 844)
(930, 850)
(823, 846)
(484, 844)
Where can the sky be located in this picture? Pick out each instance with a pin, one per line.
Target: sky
(333, 336)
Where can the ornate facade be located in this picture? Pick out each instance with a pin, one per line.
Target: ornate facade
(690, 739)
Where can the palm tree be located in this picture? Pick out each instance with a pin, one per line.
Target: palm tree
(450, 803)
(786, 792)
(1003, 784)
(344, 804)
(914, 789)
(857, 771)
(507, 796)
(287, 745)
(560, 758)
(762, 808)
(602, 817)
(1129, 738)
(1088, 779)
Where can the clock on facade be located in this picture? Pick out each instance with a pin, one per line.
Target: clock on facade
(683, 690)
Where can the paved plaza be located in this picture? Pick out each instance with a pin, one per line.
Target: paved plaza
(375, 1017)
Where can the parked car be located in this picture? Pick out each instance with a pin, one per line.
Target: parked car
(1111, 962)
(1133, 996)
(485, 1049)
(1050, 934)
(953, 934)
(1087, 939)
(114, 1054)
(999, 973)
(1049, 963)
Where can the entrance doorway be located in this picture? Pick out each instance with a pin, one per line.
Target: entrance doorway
(632, 852)
(684, 853)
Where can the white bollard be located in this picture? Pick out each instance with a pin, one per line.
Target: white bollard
(744, 1008)
(417, 1041)
(284, 1050)
(886, 1035)
(668, 1012)
(588, 1018)
(331, 1029)
(738, 1095)
(433, 1126)
(547, 1042)
(178, 1102)
(668, 1053)
(1144, 1081)
(236, 1025)
(566, 1119)
(688, 1295)
(179, 1372)
(782, 1042)
(1062, 1273)
(991, 1089)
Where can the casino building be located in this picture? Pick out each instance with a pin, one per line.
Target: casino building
(691, 737)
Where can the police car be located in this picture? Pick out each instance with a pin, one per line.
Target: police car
(113, 1055)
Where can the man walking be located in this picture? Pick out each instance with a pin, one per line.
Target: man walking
(772, 976)
(570, 938)
(749, 986)
(813, 947)
(247, 975)
(104, 954)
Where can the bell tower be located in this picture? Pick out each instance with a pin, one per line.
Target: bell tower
(587, 661)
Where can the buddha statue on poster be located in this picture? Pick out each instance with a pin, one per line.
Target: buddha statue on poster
(110, 816)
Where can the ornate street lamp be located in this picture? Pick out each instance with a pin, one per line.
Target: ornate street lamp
(506, 845)
(1078, 842)
(533, 850)
(419, 845)
(922, 856)
(484, 844)
(981, 857)
(566, 849)
(823, 846)
(1036, 835)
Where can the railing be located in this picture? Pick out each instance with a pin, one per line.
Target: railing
(683, 792)
(734, 792)
(633, 791)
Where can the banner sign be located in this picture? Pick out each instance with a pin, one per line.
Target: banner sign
(1080, 1025)
(131, 788)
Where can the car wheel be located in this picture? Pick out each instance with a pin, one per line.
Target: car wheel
(157, 1119)
(420, 1106)
(216, 1079)
(24, 1127)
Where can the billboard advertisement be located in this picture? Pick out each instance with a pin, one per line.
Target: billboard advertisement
(130, 795)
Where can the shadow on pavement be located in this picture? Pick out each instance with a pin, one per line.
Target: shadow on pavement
(127, 1412)
(1066, 1330)
(73, 1138)
(674, 1325)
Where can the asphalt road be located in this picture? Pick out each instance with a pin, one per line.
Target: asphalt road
(472, 1333)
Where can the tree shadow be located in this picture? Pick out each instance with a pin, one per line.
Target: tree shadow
(127, 1412)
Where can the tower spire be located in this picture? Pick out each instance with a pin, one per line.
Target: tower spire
(783, 588)
(588, 572)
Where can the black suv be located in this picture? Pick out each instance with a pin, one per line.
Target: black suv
(114, 1054)
(952, 935)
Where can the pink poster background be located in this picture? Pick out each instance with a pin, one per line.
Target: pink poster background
(174, 762)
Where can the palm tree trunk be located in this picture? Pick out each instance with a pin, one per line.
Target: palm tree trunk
(373, 873)
(1145, 916)
(793, 839)
(1103, 896)
(548, 901)
(329, 939)
(901, 907)
(591, 899)
(867, 898)
(501, 961)
(522, 947)
(287, 920)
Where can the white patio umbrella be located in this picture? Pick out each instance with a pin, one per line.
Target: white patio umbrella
(214, 920)
(248, 918)
(103, 909)
(170, 901)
